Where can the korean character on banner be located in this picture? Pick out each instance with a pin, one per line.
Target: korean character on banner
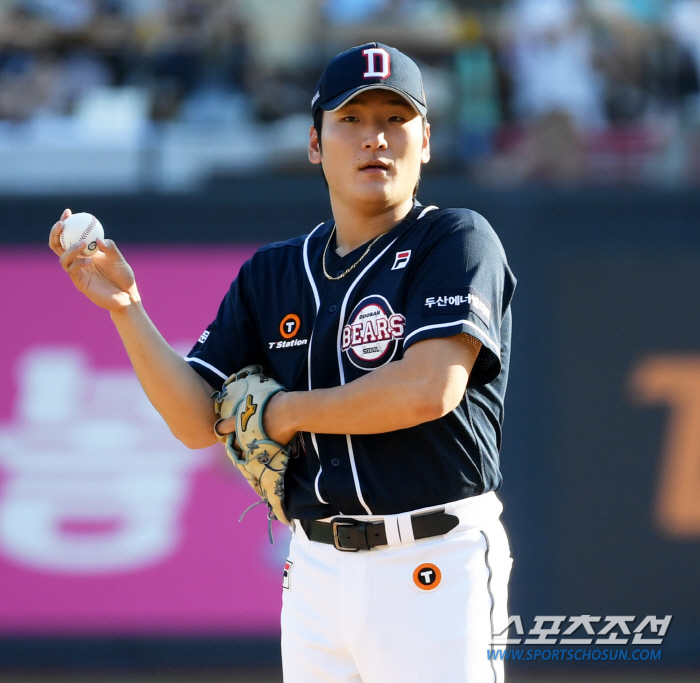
(442, 301)
(464, 299)
(584, 620)
(621, 622)
(658, 626)
(500, 635)
(542, 632)
(430, 301)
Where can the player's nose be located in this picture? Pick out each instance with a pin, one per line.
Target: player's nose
(374, 139)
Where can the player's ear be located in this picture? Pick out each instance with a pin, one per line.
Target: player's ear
(425, 152)
(314, 147)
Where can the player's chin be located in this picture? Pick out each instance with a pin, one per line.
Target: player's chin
(375, 189)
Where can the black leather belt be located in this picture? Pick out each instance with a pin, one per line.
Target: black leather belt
(351, 535)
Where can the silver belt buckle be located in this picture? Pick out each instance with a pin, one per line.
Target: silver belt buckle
(336, 540)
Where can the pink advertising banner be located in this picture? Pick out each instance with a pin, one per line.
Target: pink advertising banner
(108, 525)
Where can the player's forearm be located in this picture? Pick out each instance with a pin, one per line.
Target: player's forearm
(386, 400)
(427, 383)
(176, 391)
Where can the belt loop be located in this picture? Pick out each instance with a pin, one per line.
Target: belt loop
(405, 528)
(391, 527)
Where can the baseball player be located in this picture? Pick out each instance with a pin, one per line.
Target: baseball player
(389, 325)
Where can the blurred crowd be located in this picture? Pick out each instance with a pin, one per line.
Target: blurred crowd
(518, 90)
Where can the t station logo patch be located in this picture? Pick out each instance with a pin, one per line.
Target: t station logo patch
(372, 334)
(289, 327)
(427, 577)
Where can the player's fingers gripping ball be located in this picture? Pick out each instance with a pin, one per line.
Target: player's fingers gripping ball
(262, 461)
(82, 226)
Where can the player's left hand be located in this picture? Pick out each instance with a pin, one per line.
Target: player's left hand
(263, 461)
(273, 421)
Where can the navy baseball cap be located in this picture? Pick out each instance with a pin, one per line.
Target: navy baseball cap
(369, 67)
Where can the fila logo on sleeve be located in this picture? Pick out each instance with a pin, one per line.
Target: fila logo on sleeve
(376, 56)
(287, 572)
(401, 260)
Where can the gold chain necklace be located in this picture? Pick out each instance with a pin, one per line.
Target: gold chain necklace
(342, 275)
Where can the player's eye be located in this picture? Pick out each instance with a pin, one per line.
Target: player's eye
(397, 119)
(350, 119)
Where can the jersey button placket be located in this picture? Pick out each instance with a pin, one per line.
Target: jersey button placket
(337, 474)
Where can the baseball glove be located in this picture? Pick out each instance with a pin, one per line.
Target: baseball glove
(262, 461)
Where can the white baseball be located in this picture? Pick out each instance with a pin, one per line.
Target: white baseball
(82, 226)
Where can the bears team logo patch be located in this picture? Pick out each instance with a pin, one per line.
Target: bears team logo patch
(427, 577)
(373, 333)
(287, 571)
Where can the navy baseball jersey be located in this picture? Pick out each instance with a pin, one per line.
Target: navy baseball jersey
(438, 273)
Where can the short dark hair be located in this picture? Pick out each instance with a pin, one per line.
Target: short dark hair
(318, 125)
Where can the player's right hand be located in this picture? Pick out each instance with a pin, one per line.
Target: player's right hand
(105, 277)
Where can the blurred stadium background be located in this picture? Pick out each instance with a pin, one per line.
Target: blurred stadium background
(168, 94)
(573, 126)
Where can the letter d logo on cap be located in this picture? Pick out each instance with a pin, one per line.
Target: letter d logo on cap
(376, 55)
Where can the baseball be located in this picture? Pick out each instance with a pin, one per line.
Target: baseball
(82, 226)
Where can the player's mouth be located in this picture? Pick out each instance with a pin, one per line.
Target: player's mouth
(375, 166)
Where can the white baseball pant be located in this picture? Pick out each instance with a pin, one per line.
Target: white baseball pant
(384, 616)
